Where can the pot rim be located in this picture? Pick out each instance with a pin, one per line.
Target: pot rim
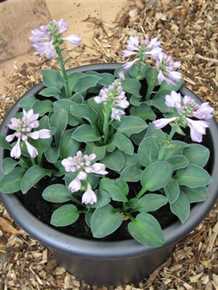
(110, 249)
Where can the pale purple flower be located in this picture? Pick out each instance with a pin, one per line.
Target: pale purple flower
(161, 123)
(186, 108)
(167, 69)
(141, 49)
(73, 39)
(114, 95)
(197, 129)
(174, 100)
(204, 111)
(89, 196)
(23, 128)
(82, 165)
(42, 38)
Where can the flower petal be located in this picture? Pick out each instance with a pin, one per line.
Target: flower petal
(73, 39)
(10, 138)
(161, 123)
(33, 152)
(89, 196)
(69, 164)
(197, 129)
(75, 185)
(16, 150)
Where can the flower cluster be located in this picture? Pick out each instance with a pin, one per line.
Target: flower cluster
(43, 37)
(167, 69)
(114, 95)
(83, 165)
(186, 109)
(24, 130)
(142, 49)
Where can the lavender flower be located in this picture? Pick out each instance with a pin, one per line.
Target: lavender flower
(89, 196)
(83, 165)
(43, 37)
(23, 128)
(115, 95)
(167, 69)
(141, 49)
(186, 108)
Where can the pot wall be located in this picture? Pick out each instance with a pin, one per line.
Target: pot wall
(106, 263)
(113, 271)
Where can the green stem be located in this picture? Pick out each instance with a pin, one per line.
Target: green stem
(60, 61)
(75, 200)
(141, 192)
(106, 113)
(172, 133)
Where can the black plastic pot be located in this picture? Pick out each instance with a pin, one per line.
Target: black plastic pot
(111, 263)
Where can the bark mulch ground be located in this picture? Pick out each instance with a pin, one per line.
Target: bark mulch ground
(189, 31)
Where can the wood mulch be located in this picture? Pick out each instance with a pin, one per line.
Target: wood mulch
(189, 31)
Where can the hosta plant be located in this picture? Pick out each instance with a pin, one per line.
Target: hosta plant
(111, 151)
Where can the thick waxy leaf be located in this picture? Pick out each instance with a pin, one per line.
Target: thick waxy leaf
(143, 111)
(103, 198)
(132, 86)
(27, 102)
(159, 103)
(99, 151)
(83, 111)
(52, 78)
(166, 88)
(8, 165)
(50, 92)
(132, 160)
(148, 151)
(85, 133)
(43, 107)
(52, 154)
(59, 121)
(181, 207)
(3, 143)
(123, 143)
(130, 125)
(115, 161)
(156, 175)
(178, 161)
(32, 176)
(56, 193)
(64, 104)
(86, 82)
(196, 194)
(172, 190)
(131, 174)
(146, 230)
(197, 154)
(138, 71)
(68, 146)
(150, 202)
(73, 79)
(106, 79)
(105, 221)
(117, 189)
(10, 183)
(193, 176)
(151, 78)
(64, 216)
(169, 150)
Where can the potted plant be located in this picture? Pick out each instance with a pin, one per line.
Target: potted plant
(103, 163)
